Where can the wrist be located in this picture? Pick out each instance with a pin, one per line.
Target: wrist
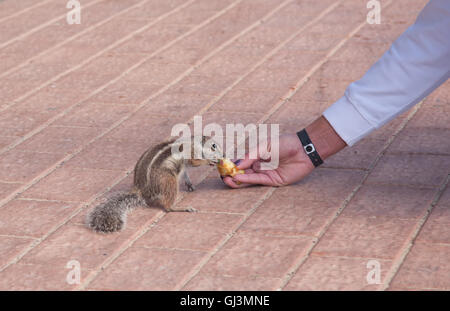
(325, 139)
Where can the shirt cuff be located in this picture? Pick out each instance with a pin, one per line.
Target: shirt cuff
(346, 120)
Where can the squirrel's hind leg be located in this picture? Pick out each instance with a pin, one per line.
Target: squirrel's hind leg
(168, 194)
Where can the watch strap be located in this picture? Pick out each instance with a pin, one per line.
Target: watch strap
(309, 148)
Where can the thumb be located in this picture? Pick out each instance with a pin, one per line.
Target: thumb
(245, 163)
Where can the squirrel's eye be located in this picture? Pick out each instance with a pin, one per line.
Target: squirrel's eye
(214, 146)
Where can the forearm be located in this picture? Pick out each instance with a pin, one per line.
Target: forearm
(416, 64)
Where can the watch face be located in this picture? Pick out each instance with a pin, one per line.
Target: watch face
(309, 148)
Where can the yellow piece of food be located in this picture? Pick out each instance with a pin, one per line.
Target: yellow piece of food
(226, 167)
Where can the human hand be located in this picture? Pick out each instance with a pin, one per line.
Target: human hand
(294, 163)
(293, 166)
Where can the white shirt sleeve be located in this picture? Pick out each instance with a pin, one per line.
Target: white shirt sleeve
(417, 63)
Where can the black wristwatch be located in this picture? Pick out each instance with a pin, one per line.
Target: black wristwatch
(309, 148)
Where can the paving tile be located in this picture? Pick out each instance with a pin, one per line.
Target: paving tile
(107, 34)
(397, 202)
(233, 60)
(426, 266)
(361, 155)
(185, 56)
(54, 34)
(92, 114)
(20, 166)
(436, 228)
(163, 269)
(18, 121)
(152, 39)
(38, 277)
(322, 90)
(359, 236)
(408, 169)
(444, 200)
(87, 82)
(36, 74)
(77, 242)
(193, 15)
(275, 79)
(220, 30)
(205, 282)
(247, 100)
(11, 247)
(54, 62)
(11, 89)
(328, 185)
(342, 70)
(32, 218)
(422, 140)
(126, 184)
(336, 273)
(34, 46)
(213, 5)
(230, 117)
(314, 41)
(196, 231)
(7, 189)
(291, 118)
(439, 97)
(146, 127)
(287, 212)
(70, 184)
(152, 72)
(251, 10)
(110, 63)
(151, 10)
(435, 231)
(59, 139)
(109, 154)
(431, 117)
(221, 198)
(170, 103)
(354, 51)
(255, 254)
(6, 141)
(30, 19)
(263, 36)
(204, 84)
(122, 92)
(383, 34)
(12, 7)
(53, 98)
(295, 60)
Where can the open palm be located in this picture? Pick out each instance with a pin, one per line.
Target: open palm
(293, 166)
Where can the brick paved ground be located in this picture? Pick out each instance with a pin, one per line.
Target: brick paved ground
(79, 103)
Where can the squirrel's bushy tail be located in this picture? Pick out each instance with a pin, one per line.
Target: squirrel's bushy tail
(111, 215)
